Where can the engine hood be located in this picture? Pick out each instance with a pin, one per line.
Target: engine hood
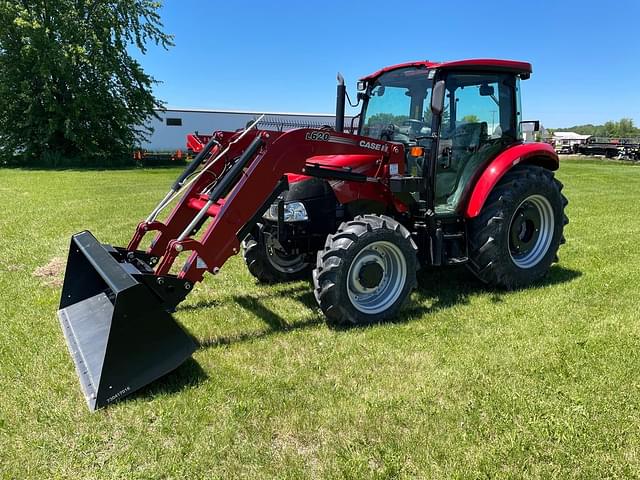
(359, 163)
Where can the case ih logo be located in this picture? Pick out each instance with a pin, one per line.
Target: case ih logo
(380, 147)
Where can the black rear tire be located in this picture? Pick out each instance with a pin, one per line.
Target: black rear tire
(365, 271)
(515, 239)
(269, 265)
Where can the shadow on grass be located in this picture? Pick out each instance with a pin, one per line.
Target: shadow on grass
(275, 322)
(189, 374)
(448, 287)
(438, 289)
(293, 290)
(198, 305)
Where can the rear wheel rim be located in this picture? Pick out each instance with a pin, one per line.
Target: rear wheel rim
(376, 277)
(531, 231)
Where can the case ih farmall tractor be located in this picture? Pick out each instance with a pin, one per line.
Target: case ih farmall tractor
(436, 175)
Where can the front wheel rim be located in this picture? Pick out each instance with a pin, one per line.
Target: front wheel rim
(281, 261)
(531, 231)
(382, 288)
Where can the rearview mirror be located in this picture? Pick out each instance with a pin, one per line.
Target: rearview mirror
(437, 97)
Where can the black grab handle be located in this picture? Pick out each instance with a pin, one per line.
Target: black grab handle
(194, 164)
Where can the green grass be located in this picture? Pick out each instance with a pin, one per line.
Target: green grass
(467, 383)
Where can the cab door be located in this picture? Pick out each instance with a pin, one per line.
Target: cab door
(479, 119)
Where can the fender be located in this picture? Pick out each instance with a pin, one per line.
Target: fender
(537, 153)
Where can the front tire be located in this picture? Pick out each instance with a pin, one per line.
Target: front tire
(268, 264)
(516, 237)
(366, 271)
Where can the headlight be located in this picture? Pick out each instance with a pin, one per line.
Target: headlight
(293, 212)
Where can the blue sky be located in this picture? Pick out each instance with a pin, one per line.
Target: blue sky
(283, 55)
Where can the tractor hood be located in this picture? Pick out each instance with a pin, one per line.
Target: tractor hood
(361, 163)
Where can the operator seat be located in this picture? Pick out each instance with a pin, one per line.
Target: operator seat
(466, 140)
(476, 162)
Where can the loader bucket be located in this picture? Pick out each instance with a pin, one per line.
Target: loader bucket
(117, 329)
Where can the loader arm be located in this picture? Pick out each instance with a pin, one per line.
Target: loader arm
(182, 213)
(251, 193)
(115, 303)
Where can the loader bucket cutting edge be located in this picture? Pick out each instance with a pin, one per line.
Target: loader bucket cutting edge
(119, 336)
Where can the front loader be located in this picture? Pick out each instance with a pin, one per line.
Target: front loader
(436, 175)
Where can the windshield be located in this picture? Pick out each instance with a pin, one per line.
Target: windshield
(399, 106)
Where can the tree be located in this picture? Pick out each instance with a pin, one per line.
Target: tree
(385, 119)
(625, 127)
(610, 129)
(69, 87)
(471, 119)
(622, 128)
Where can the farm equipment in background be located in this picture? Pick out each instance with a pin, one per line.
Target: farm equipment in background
(196, 143)
(436, 175)
(627, 148)
(146, 158)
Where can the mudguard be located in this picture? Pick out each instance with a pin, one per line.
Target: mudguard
(541, 154)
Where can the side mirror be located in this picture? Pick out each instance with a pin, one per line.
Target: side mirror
(437, 97)
(486, 90)
(530, 126)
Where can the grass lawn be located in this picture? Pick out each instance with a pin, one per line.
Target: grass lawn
(467, 383)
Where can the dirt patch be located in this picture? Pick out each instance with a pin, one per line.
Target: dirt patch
(51, 273)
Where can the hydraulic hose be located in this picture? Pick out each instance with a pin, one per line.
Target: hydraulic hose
(224, 184)
(173, 193)
(194, 164)
(229, 179)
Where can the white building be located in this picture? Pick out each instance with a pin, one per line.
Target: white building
(566, 140)
(173, 124)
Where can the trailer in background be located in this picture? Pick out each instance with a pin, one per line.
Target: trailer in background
(174, 124)
(628, 148)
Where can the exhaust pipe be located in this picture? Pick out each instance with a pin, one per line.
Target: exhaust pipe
(341, 93)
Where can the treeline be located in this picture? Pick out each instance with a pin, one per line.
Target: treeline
(71, 93)
(622, 128)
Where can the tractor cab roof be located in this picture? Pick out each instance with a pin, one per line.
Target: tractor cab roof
(521, 68)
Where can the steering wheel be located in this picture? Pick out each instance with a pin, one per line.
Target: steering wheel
(415, 126)
(388, 132)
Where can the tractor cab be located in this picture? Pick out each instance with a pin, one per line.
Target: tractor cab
(478, 116)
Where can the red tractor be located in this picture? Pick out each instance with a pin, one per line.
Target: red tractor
(436, 175)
